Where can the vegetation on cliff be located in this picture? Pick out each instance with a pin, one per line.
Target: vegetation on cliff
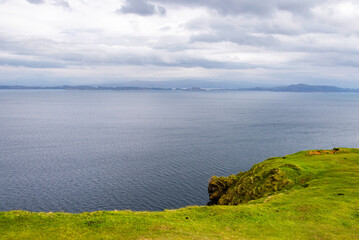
(307, 195)
(262, 180)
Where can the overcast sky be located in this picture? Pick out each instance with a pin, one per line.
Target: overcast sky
(49, 42)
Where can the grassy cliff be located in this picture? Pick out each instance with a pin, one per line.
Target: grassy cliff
(307, 195)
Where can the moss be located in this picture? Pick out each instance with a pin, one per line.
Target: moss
(218, 186)
(260, 181)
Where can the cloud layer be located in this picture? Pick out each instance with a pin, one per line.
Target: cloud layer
(141, 7)
(109, 41)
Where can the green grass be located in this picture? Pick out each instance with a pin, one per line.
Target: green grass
(319, 202)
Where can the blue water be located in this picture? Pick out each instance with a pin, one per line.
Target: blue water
(78, 151)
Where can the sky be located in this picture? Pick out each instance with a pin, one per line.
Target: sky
(271, 42)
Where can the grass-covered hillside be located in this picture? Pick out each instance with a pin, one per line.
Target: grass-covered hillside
(307, 195)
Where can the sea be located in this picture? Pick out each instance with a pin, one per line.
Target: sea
(79, 150)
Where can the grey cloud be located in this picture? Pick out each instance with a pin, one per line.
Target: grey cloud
(141, 7)
(161, 10)
(32, 52)
(235, 7)
(235, 37)
(329, 59)
(19, 61)
(154, 59)
(36, 1)
(224, 31)
(283, 23)
(26, 46)
(62, 3)
(208, 64)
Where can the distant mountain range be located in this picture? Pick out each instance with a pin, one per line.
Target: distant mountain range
(183, 84)
(83, 87)
(289, 88)
(303, 88)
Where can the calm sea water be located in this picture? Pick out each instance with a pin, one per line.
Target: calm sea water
(78, 151)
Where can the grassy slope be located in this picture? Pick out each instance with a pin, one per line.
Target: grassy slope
(311, 212)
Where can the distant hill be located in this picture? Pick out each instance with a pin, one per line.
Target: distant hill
(85, 87)
(183, 84)
(289, 88)
(303, 88)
